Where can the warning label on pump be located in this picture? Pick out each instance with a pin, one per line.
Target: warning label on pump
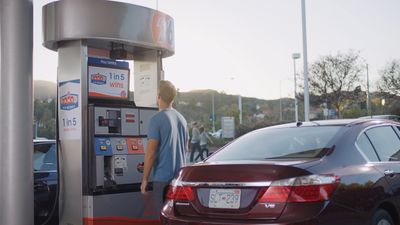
(69, 105)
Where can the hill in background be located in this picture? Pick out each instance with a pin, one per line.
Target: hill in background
(194, 105)
(197, 105)
(44, 90)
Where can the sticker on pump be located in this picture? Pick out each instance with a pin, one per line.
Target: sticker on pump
(121, 162)
(69, 117)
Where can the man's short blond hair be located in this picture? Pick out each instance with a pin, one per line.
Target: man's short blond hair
(167, 91)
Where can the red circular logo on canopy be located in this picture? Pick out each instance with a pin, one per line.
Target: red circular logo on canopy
(162, 30)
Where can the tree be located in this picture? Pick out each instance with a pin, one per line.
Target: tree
(390, 78)
(335, 77)
(44, 115)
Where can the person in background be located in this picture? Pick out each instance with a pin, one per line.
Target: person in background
(195, 141)
(168, 139)
(204, 138)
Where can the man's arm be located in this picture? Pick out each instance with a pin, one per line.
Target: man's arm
(149, 157)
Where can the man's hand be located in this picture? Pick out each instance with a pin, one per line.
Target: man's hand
(149, 156)
(143, 187)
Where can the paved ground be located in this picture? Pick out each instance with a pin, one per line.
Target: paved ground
(210, 150)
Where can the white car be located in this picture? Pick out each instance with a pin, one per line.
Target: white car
(217, 134)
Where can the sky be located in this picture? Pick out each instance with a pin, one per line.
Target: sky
(245, 47)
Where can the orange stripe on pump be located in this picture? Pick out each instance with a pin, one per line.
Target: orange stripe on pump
(96, 94)
(120, 221)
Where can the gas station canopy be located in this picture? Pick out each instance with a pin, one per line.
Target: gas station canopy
(109, 26)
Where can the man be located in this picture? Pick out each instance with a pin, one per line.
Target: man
(195, 141)
(204, 138)
(167, 143)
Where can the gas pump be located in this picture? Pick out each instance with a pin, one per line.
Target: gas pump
(102, 127)
(117, 131)
(117, 147)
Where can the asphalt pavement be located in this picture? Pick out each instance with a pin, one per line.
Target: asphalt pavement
(210, 151)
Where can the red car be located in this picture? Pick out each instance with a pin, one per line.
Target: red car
(321, 172)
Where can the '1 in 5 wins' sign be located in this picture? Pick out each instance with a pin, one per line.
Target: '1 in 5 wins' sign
(108, 79)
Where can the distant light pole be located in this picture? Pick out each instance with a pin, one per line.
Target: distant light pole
(239, 104)
(295, 56)
(240, 109)
(306, 95)
(213, 113)
(383, 105)
(368, 95)
(280, 100)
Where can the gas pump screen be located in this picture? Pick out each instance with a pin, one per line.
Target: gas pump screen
(108, 79)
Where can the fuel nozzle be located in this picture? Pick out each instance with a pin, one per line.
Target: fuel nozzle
(109, 182)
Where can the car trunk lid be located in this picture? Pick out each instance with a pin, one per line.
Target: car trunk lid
(225, 190)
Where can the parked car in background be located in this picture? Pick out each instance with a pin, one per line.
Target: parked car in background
(322, 172)
(217, 134)
(45, 182)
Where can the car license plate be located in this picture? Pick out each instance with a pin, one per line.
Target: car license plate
(224, 198)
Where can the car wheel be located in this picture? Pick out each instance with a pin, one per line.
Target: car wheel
(381, 217)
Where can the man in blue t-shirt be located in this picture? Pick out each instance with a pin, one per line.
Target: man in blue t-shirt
(167, 143)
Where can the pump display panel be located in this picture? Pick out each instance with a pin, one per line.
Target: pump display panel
(108, 79)
(119, 140)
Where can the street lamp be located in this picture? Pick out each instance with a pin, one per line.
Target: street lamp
(368, 95)
(294, 57)
(240, 109)
(239, 104)
(280, 100)
(306, 94)
(213, 113)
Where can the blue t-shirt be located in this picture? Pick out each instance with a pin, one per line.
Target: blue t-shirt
(169, 128)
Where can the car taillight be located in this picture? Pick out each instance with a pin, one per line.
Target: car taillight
(312, 188)
(180, 193)
(278, 191)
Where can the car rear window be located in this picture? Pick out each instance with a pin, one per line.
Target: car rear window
(386, 143)
(280, 143)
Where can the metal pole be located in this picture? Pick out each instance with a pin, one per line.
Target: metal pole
(280, 100)
(306, 95)
(213, 113)
(240, 108)
(368, 96)
(16, 113)
(295, 92)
